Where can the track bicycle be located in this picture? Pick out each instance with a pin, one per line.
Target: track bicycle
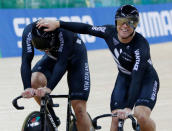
(135, 125)
(38, 120)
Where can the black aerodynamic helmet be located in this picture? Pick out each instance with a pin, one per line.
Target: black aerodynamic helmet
(129, 12)
(44, 40)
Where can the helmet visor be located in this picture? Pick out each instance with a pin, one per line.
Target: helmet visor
(130, 21)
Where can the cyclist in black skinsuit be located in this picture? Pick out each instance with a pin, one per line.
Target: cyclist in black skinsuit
(137, 83)
(64, 52)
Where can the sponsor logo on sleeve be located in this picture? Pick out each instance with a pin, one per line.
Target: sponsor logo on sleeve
(97, 28)
(29, 42)
(61, 42)
(137, 55)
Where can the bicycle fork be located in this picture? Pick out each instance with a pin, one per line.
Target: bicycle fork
(46, 115)
(120, 124)
(52, 122)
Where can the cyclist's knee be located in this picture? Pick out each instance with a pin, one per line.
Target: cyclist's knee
(38, 80)
(79, 108)
(142, 113)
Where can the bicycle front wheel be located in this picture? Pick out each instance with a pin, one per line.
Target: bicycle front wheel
(33, 122)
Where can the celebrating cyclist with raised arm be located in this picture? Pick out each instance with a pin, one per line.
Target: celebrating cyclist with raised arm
(137, 83)
(64, 52)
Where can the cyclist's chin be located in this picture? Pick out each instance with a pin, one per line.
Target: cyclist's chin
(125, 36)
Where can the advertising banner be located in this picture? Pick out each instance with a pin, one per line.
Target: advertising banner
(155, 24)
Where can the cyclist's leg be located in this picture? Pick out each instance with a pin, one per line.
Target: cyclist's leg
(38, 79)
(83, 120)
(142, 113)
(41, 74)
(79, 88)
(146, 103)
(118, 98)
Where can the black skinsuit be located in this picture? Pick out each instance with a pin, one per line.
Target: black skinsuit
(137, 81)
(71, 56)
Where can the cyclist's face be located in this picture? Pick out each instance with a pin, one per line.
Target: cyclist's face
(124, 28)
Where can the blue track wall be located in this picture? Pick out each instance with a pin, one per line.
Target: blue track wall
(155, 24)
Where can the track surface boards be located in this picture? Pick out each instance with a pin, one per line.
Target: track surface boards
(103, 74)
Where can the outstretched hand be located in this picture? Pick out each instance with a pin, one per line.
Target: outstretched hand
(50, 25)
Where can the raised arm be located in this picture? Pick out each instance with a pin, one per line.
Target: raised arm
(82, 28)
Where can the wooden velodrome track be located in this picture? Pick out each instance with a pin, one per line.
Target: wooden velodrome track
(103, 73)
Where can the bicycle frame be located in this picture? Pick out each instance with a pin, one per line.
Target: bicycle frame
(44, 112)
(69, 109)
(135, 125)
(43, 109)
